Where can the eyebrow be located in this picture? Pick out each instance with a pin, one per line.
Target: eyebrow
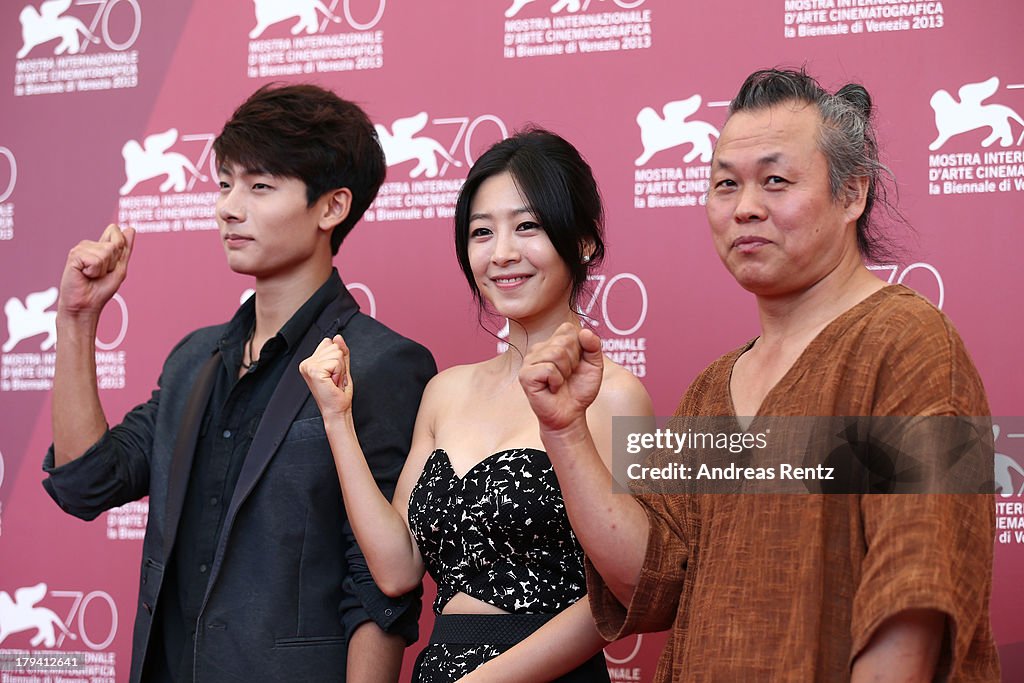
(763, 161)
(514, 212)
(224, 169)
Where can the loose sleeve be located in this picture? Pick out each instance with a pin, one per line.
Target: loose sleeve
(930, 551)
(655, 600)
(111, 472)
(926, 552)
(673, 522)
(115, 470)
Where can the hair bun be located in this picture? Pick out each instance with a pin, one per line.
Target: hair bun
(858, 96)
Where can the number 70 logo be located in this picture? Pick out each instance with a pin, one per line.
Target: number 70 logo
(897, 276)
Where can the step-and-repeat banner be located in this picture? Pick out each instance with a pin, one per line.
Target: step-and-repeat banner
(108, 110)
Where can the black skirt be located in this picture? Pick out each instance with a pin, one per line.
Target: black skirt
(460, 643)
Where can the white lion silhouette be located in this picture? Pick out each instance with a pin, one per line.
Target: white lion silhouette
(953, 118)
(21, 614)
(270, 12)
(1005, 467)
(46, 24)
(151, 159)
(400, 146)
(658, 134)
(518, 5)
(32, 318)
(571, 5)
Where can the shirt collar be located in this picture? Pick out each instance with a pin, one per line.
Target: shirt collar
(241, 324)
(295, 329)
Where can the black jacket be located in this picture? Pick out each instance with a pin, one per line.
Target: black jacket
(288, 584)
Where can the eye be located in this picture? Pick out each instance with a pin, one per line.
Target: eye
(775, 180)
(479, 232)
(725, 184)
(528, 225)
(260, 186)
(224, 185)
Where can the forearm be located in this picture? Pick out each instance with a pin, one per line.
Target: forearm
(611, 527)
(904, 649)
(77, 415)
(380, 530)
(373, 655)
(555, 649)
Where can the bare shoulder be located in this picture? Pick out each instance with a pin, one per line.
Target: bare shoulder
(440, 385)
(451, 384)
(457, 376)
(440, 398)
(622, 393)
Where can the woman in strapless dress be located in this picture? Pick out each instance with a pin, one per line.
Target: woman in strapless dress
(477, 504)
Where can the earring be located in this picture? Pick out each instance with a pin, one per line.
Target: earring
(586, 258)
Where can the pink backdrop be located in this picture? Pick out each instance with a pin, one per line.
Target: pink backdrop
(83, 84)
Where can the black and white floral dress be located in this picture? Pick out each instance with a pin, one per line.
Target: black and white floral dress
(499, 534)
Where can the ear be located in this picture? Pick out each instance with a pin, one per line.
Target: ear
(586, 250)
(336, 206)
(856, 197)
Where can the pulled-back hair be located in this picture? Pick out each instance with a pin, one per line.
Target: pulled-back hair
(307, 132)
(559, 188)
(846, 138)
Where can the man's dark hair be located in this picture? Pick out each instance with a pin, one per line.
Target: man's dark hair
(307, 132)
(559, 188)
(846, 138)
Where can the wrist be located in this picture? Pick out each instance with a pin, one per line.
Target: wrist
(81, 321)
(341, 427)
(574, 433)
(77, 328)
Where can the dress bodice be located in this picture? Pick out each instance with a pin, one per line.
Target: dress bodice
(499, 533)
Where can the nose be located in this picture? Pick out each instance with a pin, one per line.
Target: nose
(750, 205)
(506, 248)
(230, 207)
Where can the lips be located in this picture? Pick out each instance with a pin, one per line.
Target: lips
(233, 239)
(749, 243)
(510, 280)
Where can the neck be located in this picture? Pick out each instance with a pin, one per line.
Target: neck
(793, 315)
(277, 299)
(524, 335)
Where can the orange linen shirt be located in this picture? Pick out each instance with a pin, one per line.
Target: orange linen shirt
(792, 587)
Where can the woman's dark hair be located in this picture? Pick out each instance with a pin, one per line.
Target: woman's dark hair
(307, 132)
(847, 139)
(560, 190)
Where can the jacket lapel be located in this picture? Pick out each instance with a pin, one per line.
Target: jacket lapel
(185, 448)
(286, 401)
